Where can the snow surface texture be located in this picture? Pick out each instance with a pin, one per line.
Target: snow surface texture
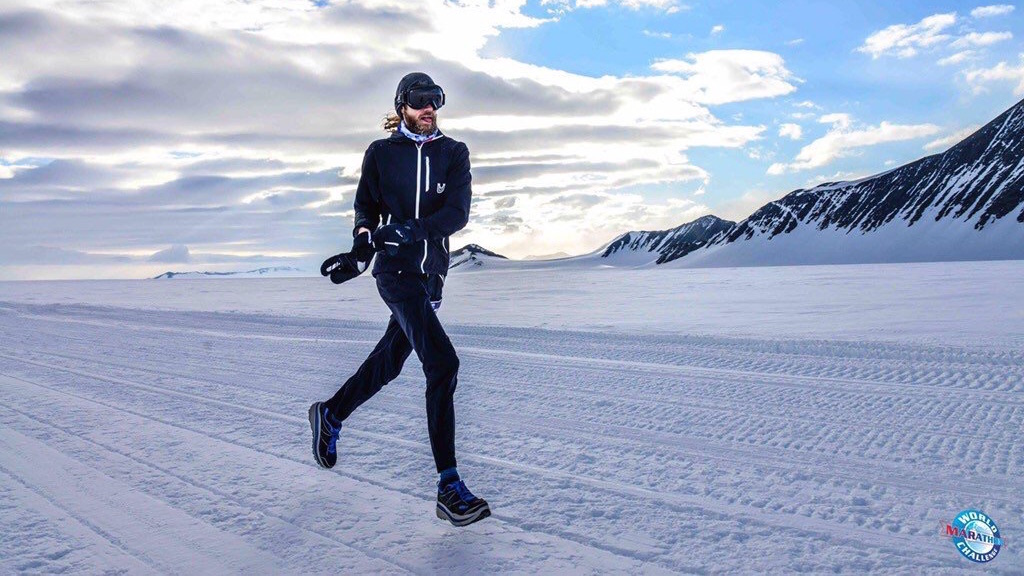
(773, 420)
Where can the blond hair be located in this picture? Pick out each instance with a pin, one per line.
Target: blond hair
(391, 122)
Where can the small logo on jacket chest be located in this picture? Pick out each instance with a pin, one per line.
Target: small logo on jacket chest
(440, 187)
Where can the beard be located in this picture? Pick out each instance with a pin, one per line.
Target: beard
(419, 127)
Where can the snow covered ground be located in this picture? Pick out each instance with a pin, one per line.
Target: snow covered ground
(791, 419)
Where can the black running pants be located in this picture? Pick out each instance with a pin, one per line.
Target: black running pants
(413, 326)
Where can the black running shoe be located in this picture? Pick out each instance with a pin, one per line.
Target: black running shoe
(456, 504)
(325, 436)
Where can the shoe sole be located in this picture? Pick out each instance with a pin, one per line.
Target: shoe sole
(315, 425)
(460, 520)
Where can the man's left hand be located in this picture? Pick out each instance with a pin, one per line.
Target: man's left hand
(390, 236)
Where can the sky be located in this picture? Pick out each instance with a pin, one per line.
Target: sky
(146, 136)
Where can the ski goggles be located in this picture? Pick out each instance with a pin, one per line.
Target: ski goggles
(418, 98)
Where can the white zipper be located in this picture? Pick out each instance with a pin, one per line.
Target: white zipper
(426, 189)
(419, 161)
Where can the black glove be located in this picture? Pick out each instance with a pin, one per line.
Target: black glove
(362, 246)
(390, 236)
(348, 265)
(342, 267)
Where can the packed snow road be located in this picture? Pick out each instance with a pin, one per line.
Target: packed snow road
(176, 441)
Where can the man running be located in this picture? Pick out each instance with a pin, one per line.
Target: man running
(417, 182)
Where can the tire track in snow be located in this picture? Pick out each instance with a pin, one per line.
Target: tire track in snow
(537, 363)
(546, 359)
(705, 447)
(839, 399)
(751, 422)
(325, 540)
(162, 537)
(811, 426)
(827, 530)
(103, 547)
(242, 502)
(688, 396)
(601, 546)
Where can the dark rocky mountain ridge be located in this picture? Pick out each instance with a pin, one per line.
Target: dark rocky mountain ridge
(978, 181)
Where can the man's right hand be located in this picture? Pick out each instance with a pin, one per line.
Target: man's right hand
(362, 245)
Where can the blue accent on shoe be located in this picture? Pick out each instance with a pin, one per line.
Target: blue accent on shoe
(448, 476)
(460, 488)
(332, 442)
(456, 504)
(463, 492)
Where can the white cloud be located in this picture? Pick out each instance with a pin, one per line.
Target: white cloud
(759, 153)
(806, 104)
(791, 131)
(652, 34)
(840, 120)
(993, 10)
(579, 222)
(666, 6)
(795, 42)
(933, 33)
(721, 76)
(717, 29)
(841, 140)
(946, 141)
(178, 253)
(980, 39)
(956, 58)
(980, 78)
(904, 40)
(169, 122)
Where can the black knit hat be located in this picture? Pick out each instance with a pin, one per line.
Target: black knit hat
(408, 82)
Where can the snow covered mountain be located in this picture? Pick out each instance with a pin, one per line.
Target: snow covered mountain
(275, 271)
(964, 204)
(472, 256)
(665, 245)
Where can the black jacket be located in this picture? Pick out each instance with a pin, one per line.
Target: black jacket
(425, 185)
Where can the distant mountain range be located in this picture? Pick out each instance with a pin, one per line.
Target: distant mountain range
(472, 255)
(964, 204)
(670, 244)
(276, 271)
